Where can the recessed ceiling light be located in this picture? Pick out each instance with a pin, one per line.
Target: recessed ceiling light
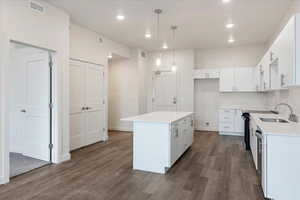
(148, 35)
(120, 17)
(226, 1)
(231, 40)
(165, 46)
(229, 26)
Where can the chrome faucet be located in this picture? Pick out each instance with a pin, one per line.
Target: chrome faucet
(292, 116)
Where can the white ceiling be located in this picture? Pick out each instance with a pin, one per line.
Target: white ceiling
(201, 22)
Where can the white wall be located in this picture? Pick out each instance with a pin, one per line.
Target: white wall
(240, 56)
(185, 64)
(49, 30)
(85, 45)
(208, 99)
(127, 89)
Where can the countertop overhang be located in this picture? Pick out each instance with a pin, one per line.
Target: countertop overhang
(159, 117)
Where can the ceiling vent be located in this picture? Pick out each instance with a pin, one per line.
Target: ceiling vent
(36, 6)
(100, 40)
(143, 54)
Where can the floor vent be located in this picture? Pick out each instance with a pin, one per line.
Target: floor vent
(37, 7)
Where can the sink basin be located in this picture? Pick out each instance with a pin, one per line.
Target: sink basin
(274, 120)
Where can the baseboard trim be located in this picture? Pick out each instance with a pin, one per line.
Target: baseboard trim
(3, 180)
(63, 158)
(231, 133)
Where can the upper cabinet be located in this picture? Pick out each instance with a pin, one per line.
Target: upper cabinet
(280, 66)
(237, 79)
(206, 73)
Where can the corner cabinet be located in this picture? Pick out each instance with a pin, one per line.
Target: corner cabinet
(87, 104)
(231, 122)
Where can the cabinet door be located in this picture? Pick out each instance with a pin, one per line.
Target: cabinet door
(287, 54)
(174, 141)
(94, 94)
(227, 80)
(244, 79)
(266, 71)
(239, 122)
(77, 82)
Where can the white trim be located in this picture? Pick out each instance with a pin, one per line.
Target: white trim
(63, 158)
(231, 133)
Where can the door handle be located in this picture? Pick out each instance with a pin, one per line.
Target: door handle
(23, 111)
(88, 108)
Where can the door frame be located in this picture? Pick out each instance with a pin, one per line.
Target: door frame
(52, 107)
(154, 75)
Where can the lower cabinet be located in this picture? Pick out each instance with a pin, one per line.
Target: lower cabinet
(279, 177)
(182, 134)
(231, 122)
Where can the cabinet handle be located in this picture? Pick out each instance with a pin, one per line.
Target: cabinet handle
(23, 111)
(174, 100)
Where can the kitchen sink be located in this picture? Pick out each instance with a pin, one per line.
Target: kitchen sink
(274, 120)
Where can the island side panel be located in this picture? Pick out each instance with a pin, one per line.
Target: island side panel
(151, 146)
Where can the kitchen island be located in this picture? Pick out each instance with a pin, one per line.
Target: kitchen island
(160, 138)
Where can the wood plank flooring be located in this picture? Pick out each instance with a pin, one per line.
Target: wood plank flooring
(215, 168)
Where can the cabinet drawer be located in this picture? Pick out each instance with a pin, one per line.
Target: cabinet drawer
(226, 127)
(226, 117)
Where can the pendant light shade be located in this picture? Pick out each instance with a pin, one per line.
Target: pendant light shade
(174, 66)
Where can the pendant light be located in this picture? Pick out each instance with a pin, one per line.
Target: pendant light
(158, 12)
(174, 66)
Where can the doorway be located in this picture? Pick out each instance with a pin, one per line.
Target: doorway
(165, 91)
(30, 139)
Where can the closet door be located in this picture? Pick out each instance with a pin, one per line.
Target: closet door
(77, 98)
(94, 96)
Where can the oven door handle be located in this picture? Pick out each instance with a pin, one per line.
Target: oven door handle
(258, 134)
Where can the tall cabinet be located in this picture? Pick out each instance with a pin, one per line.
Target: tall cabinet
(87, 104)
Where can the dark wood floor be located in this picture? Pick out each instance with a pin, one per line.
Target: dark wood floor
(215, 168)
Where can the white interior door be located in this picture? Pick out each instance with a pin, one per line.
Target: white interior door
(94, 113)
(36, 112)
(165, 92)
(77, 99)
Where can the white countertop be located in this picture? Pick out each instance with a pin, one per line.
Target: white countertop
(282, 129)
(159, 117)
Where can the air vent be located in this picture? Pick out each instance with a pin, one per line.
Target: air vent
(100, 40)
(36, 6)
(143, 54)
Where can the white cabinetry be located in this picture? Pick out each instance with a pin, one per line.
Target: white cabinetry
(206, 73)
(160, 138)
(231, 122)
(237, 79)
(281, 64)
(181, 137)
(87, 105)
